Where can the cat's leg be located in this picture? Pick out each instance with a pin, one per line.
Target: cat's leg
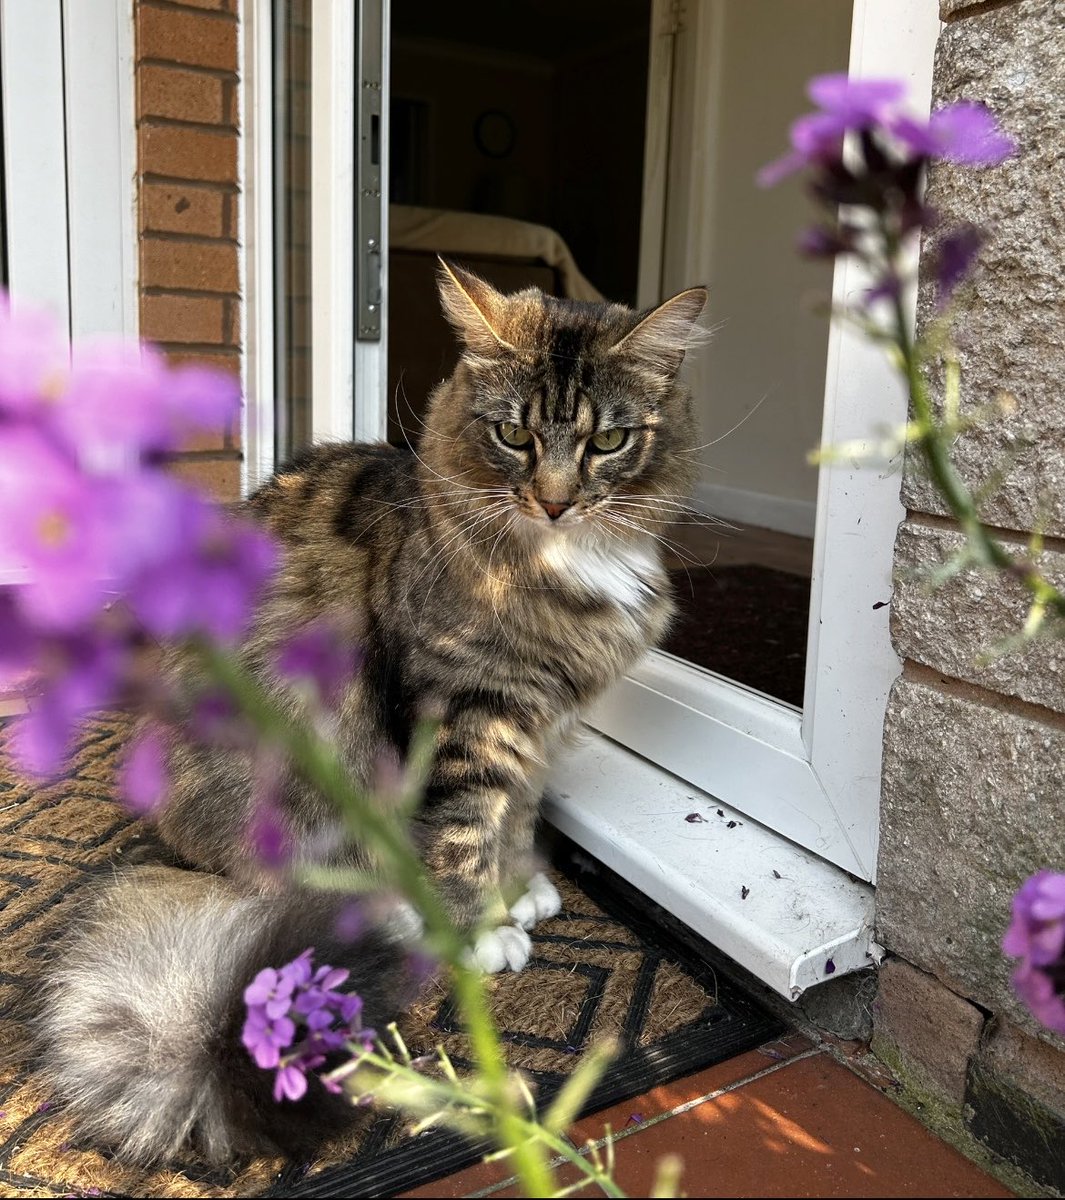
(539, 898)
(483, 764)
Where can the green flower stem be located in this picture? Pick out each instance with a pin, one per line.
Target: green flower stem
(321, 766)
(936, 450)
(439, 1097)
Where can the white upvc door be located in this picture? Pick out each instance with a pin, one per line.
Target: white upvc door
(69, 165)
(814, 775)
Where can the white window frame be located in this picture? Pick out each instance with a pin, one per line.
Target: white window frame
(70, 156)
(814, 775)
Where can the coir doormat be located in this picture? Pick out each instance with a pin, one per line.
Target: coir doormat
(599, 969)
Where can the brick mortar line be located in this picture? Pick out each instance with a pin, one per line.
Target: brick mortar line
(208, 185)
(187, 239)
(205, 185)
(211, 128)
(191, 456)
(223, 73)
(1015, 537)
(230, 351)
(962, 689)
(213, 14)
(155, 290)
(976, 10)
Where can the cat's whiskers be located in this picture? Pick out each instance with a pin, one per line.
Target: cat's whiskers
(465, 529)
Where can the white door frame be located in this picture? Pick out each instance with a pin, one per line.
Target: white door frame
(348, 374)
(812, 776)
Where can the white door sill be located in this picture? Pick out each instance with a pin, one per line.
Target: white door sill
(802, 920)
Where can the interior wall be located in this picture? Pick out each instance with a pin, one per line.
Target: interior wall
(768, 351)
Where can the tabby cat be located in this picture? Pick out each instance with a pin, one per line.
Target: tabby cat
(501, 577)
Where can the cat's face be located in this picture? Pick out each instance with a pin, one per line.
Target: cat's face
(563, 414)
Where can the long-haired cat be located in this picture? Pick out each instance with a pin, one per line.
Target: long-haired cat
(501, 577)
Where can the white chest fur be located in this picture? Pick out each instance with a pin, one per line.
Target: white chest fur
(618, 572)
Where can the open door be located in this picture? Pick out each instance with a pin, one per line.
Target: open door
(318, 146)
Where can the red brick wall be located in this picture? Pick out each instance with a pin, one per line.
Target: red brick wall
(187, 137)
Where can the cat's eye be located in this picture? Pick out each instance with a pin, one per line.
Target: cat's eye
(514, 435)
(607, 440)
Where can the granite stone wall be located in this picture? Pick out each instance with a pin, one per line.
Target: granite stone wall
(974, 745)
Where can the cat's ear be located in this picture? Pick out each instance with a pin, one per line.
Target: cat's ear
(666, 332)
(474, 307)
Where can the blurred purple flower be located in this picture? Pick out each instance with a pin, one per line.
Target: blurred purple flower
(1036, 935)
(845, 104)
(144, 778)
(268, 834)
(964, 132)
(56, 524)
(211, 581)
(1037, 930)
(320, 655)
(350, 922)
(34, 360)
(955, 256)
(290, 1083)
(81, 673)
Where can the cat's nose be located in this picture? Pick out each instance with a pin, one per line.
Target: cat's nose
(554, 508)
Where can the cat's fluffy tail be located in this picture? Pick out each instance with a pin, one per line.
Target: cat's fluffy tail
(139, 1025)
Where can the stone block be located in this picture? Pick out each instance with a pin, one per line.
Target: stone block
(971, 804)
(931, 1031)
(1036, 1064)
(949, 9)
(959, 627)
(1010, 327)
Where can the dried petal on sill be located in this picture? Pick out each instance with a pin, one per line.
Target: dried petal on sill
(695, 819)
(830, 967)
(745, 891)
(777, 875)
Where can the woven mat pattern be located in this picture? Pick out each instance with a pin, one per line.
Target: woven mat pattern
(592, 974)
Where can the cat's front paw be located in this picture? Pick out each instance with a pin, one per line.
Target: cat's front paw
(540, 901)
(499, 949)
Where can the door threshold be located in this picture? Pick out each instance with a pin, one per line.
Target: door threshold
(790, 918)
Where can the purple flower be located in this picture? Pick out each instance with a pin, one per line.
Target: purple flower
(350, 923)
(122, 398)
(845, 104)
(54, 522)
(955, 255)
(1036, 935)
(1037, 930)
(296, 996)
(290, 1082)
(265, 1038)
(268, 836)
(1044, 994)
(34, 360)
(271, 991)
(321, 656)
(80, 674)
(965, 132)
(211, 582)
(144, 779)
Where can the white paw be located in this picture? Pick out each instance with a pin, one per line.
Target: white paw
(497, 949)
(540, 901)
(404, 923)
